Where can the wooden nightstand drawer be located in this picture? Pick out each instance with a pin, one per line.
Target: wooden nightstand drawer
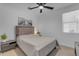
(4, 45)
(4, 48)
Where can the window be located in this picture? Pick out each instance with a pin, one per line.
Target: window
(71, 22)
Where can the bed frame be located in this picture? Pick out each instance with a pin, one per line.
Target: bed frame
(26, 30)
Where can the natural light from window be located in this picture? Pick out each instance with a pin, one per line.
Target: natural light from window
(71, 22)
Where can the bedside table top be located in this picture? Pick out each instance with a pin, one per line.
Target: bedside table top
(1, 43)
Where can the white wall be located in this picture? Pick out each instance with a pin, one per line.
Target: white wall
(50, 24)
(9, 14)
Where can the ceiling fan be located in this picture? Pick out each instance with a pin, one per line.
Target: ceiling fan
(41, 6)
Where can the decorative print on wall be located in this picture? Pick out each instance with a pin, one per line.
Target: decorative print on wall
(23, 21)
(29, 22)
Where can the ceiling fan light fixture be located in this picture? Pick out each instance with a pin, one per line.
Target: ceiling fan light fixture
(40, 7)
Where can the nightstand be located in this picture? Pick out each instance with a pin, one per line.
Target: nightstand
(7, 45)
(77, 48)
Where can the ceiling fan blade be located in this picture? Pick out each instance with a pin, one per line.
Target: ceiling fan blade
(38, 3)
(32, 7)
(41, 4)
(48, 7)
(40, 10)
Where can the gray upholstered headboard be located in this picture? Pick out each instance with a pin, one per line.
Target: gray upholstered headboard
(24, 30)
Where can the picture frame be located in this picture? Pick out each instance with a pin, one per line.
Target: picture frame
(21, 21)
(24, 22)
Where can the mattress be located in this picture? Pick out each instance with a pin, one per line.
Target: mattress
(34, 45)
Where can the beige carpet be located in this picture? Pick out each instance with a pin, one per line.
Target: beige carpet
(66, 51)
(62, 51)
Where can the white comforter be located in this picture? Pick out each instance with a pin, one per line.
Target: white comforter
(34, 45)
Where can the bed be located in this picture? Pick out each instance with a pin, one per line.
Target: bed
(35, 45)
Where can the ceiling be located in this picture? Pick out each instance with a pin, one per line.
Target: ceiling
(25, 5)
